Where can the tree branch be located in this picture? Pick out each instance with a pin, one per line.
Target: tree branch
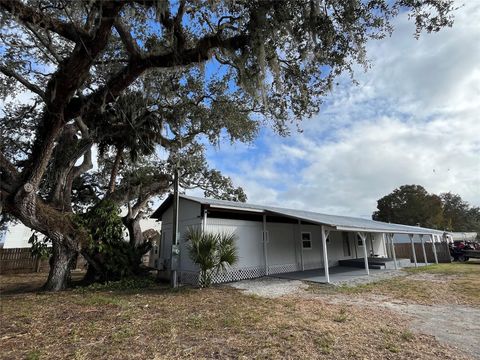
(8, 166)
(32, 87)
(44, 42)
(27, 14)
(128, 41)
(66, 81)
(114, 172)
(137, 65)
(146, 194)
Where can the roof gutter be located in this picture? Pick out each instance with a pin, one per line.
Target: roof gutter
(235, 208)
(391, 231)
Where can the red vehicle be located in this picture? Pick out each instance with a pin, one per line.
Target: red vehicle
(464, 250)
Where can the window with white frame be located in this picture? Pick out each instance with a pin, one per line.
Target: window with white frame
(306, 240)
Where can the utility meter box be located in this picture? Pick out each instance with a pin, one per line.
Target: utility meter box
(175, 257)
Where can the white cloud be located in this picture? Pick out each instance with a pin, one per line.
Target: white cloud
(414, 119)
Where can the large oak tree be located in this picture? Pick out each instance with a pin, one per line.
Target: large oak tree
(77, 57)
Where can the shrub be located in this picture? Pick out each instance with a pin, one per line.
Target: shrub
(212, 252)
(109, 255)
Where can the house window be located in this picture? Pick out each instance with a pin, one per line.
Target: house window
(306, 240)
(346, 244)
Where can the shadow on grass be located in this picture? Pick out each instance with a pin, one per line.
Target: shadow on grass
(32, 283)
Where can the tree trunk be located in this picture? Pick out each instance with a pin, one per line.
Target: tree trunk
(64, 261)
(134, 230)
(114, 172)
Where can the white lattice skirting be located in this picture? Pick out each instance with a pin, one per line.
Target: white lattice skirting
(191, 277)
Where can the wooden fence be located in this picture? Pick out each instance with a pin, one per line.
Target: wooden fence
(20, 260)
(404, 250)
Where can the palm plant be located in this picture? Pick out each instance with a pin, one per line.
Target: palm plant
(212, 252)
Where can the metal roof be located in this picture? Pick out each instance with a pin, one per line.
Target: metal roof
(345, 223)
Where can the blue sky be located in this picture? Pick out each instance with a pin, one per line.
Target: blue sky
(413, 118)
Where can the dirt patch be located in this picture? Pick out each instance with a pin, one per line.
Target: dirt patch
(270, 287)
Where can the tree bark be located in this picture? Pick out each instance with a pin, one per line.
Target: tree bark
(114, 172)
(64, 261)
(134, 229)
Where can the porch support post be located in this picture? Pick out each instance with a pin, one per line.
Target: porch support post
(434, 247)
(423, 249)
(325, 255)
(413, 249)
(265, 240)
(393, 251)
(301, 243)
(385, 244)
(363, 236)
(204, 220)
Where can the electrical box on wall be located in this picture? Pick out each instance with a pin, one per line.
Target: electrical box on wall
(175, 257)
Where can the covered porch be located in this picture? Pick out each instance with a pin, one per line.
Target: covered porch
(362, 263)
(337, 275)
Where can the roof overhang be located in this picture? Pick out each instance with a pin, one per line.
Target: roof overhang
(389, 231)
(379, 228)
(233, 208)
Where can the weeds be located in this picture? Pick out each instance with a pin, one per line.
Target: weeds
(325, 342)
(407, 335)
(342, 316)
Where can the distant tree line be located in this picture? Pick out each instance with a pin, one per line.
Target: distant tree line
(413, 205)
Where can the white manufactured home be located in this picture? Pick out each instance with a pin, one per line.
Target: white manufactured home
(273, 240)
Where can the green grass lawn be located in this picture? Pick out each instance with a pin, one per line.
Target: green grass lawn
(454, 283)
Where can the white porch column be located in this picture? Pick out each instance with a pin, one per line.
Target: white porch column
(363, 236)
(385, 244)
(413, 249)
(301, 243)
(265, 240)
(393, 251)
(204, 220)
(423, 249)
(325, 255)
(434, 248)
